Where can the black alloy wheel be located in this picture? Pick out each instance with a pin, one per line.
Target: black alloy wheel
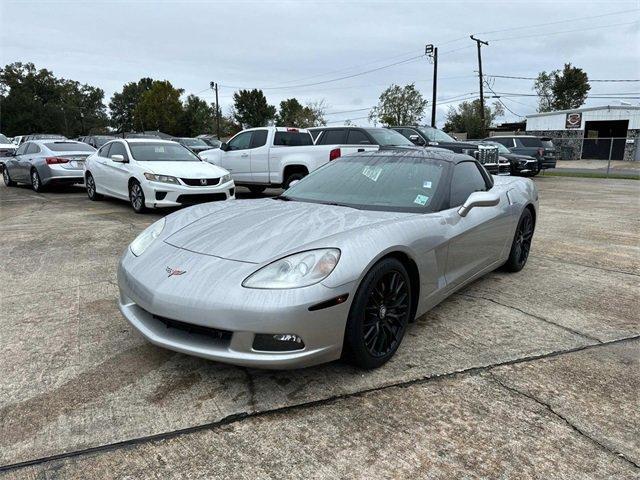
(521, 243)
(379, 315)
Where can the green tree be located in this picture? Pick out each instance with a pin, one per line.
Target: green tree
(293, 114)
(159, 108)
(466, 118)
(123, 105)
(562, 90)
(33, 100)
(197, 117)
(399, 106)
(251, 108)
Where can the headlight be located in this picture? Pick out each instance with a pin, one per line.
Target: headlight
(161, 178)
(146, 238)
(225, 178)
(297, 270)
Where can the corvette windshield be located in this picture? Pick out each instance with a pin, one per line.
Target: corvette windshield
(161, 152)
(395, 183)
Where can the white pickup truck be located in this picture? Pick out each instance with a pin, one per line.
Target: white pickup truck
(274, 156)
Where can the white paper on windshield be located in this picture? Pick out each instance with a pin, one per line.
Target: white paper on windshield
(421, 200)
(159, 149)
(426, 184)
(372, 173)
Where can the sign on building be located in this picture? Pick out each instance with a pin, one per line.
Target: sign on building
(573, 120)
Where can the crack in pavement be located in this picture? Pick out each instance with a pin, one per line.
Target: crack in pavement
(237, 417)
(612, 270)
(537, 317)
(563, 418)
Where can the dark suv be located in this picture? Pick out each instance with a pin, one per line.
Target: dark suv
(425, 136)
(359, 136)
(541, 148)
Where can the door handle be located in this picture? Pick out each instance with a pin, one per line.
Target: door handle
(244, 155)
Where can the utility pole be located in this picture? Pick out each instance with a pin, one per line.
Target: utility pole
(433, 53)
(480, 43)
(214, 86)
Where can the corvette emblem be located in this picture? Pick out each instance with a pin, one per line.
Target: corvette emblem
(203, 181)
(174, 271)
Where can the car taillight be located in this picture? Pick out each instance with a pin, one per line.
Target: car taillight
(335, 153)
(56, 160)
(292, 130)
(541, 152)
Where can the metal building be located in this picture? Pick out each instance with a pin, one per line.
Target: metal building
(601, 133)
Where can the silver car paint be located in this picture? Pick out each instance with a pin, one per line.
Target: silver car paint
(19, 166)
(219, 245)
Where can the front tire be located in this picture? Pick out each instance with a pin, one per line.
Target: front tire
(91, 188)
(136, 197)
(379, 315)
(256, 189)
(36, 182)
(7, 178)
(521, 243)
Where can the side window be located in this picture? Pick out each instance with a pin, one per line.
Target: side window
(466, 179)
(259, 138)
(104, 151)
(32, 148)
(333, 137)
(22, 149)
(507, 142)
(241, 141)
(117, 148)
(358, 137)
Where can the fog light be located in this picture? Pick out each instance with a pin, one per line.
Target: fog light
(281, 342)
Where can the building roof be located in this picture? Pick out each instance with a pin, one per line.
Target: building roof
(586, 109)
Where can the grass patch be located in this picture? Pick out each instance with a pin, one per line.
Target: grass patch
(621, 176)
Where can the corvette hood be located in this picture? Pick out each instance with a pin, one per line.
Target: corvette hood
(256, 231)
(184, 169)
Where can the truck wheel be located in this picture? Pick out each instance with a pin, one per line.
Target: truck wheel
(291, 178)
(257, 189)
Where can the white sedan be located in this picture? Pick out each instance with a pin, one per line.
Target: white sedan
(154, 173)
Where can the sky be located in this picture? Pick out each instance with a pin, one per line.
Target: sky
(304, 49)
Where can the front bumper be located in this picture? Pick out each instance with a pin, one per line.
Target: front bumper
(209, 295)
(529, 166)
(158, 194)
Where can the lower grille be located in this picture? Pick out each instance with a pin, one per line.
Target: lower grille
(222, 336)
(201, 182)
(205, 197)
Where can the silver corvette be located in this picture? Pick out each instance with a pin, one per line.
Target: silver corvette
(336, 266)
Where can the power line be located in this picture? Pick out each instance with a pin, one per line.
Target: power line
(501, 102)
(546, 34)
(535, 78)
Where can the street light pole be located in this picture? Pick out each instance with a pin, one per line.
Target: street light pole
(214, 86)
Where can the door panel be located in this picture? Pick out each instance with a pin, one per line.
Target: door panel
(237, 159)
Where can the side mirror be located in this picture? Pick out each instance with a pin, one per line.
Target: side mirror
(293, 182)
(224, 146)
(118, 158)
(479, 199)
(416, 139)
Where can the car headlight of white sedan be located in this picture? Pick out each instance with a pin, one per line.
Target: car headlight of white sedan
(295, 271)
(161, 178)
(225, 178)
(146, 238)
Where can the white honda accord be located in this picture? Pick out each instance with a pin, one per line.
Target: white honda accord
(154, 173)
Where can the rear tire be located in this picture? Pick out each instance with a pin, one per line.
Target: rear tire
(521, 245)
(136, 197)
(91, 188)
(36, 182)
(291, 178)
(7, 179)
(256, 189)
(379, 315)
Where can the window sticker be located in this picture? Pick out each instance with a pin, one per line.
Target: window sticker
(426, 184)
(372, 173)
(421, 200)
(158, 149)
